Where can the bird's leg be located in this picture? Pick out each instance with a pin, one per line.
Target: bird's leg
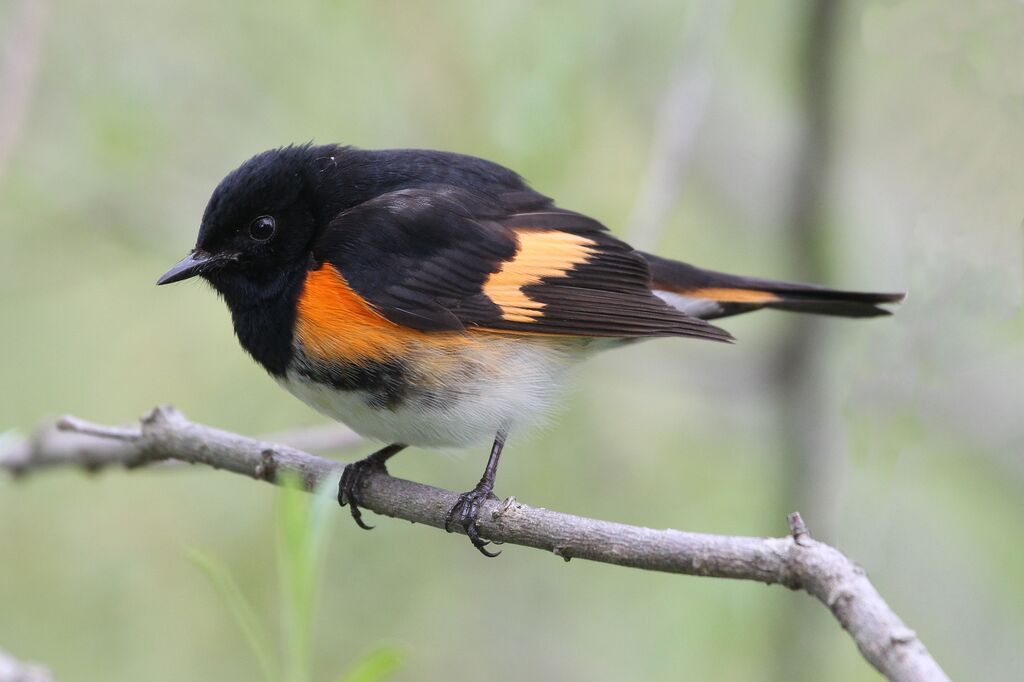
(351, 483)
(467, 509)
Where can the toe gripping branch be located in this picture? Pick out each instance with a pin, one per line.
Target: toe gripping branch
(467, 508)
(354, 477)
(465, 512)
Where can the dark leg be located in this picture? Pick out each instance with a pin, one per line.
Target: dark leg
(352, 479)
(467, 509)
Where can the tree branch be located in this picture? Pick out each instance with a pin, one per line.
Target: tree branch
(811, 440)
(796, 561)
(680, 116)
(12, 670)
(21, 54)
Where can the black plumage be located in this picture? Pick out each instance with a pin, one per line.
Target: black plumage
(435, 299)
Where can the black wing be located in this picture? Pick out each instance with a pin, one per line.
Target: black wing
(443, 258)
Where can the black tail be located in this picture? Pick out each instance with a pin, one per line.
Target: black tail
(708, 294)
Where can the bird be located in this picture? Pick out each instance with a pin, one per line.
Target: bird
(434, 299)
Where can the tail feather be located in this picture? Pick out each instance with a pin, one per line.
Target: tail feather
(708, 294)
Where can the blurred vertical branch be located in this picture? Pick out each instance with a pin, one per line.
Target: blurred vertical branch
(809, 428)
(679, 118)
(19, 64)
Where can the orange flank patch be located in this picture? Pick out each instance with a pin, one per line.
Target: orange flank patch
(334, 322)
(541, 253)
(727, 295)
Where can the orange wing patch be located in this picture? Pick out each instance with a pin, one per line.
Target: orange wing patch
(542, 253)
(727, 295)
(334, 322)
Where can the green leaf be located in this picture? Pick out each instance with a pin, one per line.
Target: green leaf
(376, 665)
(240, 609)
(302, 532)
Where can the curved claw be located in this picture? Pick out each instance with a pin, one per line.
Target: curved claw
(450, 518)
(352, 482)
(467, 509)
(489, 555)
(357, 516)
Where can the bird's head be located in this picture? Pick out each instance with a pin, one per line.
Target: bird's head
(261, 219)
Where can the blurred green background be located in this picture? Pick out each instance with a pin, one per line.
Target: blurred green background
(138, 108)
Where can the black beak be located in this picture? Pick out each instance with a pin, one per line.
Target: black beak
(189, 266)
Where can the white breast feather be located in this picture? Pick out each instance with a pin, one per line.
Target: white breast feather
(504, 384)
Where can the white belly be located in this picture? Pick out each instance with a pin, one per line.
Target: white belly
(498, 386)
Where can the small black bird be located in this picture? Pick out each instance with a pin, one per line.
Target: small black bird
(434, 299)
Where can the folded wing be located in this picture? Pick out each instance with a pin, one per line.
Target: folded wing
(443, 258)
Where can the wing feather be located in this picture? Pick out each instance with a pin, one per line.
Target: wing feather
(442, 258)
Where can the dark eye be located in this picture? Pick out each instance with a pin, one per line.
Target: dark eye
(262, 228)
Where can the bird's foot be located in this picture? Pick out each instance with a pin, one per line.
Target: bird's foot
(466, 511)
(352, 480)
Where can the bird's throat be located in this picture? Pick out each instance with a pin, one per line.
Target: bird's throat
(263, 314)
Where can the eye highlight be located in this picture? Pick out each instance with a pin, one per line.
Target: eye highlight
(262, 229)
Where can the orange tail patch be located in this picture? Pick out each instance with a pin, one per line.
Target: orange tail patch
(729, 295)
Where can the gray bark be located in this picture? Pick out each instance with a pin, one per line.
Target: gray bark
(795, 561)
